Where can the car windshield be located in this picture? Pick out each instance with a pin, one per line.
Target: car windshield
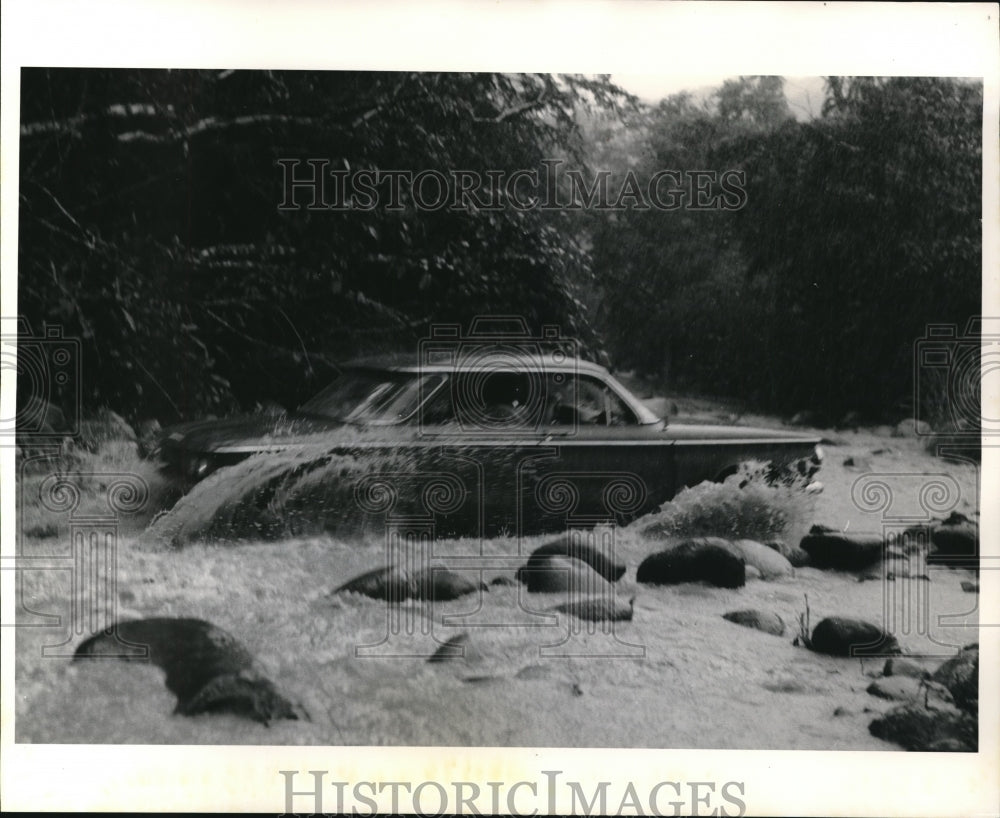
(372, 396)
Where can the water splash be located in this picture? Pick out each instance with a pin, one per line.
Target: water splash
(293, 493)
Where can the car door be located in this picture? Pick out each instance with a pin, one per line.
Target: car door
(488, 429)
(600, 463)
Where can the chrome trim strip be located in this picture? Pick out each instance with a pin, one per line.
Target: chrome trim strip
(512, 442)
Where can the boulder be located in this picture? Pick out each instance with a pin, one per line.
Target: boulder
(915, 727)
(960, 675)
(599, 608)
(828, 548)
(955, 542)
(842, 636)
(765, 621)
(442, 585)
(207, 668)
(770, 563)
(897, 688)
(795, 555)
(502, 581)
(555, 574)
(598, 558)
(395, 584)
(388, 583)
(707, 559)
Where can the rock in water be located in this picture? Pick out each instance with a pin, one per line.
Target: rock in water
(769, 562)
(960, 675)
(503, 580)
(828, 548)
(796, 557)
(600, 559)
(897, 688)
(765, 621)
(444, 585)
(552, 574)
(207, 668)
(956, 542)
(394, 584)
(389, 584)
(915, 727)
(716, 562)
(599, 609)
(841, 636)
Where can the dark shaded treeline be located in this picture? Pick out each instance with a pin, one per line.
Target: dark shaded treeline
(150, 228)
(861, 227)
(150, 223)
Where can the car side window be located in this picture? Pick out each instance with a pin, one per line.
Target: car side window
(484, 402)
(438, 409)
(585, 401)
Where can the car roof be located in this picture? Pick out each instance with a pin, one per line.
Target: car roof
(475, 358)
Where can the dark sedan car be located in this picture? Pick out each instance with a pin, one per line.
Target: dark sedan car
(525, 442)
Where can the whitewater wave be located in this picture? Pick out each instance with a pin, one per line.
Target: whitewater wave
(293, 493)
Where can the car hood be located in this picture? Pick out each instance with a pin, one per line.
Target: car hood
(247, 433)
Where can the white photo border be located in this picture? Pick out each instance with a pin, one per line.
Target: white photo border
(681, 39)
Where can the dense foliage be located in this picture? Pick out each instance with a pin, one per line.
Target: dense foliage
(150, 228)
(150, 224)
(861, 227)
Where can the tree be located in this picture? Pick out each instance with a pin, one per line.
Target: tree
(859, 229)
(866, 226)
(678, 302)
(150, 224)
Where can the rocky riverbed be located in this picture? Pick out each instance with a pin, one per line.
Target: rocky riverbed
(671, 669)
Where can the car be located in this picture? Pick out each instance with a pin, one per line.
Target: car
(518, 441)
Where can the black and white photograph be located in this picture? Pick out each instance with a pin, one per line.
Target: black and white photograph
(439, 408)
